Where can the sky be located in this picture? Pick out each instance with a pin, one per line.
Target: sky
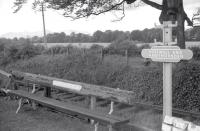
(27, 20)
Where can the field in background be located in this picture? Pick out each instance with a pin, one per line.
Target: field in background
(79, 45)
(88, 45)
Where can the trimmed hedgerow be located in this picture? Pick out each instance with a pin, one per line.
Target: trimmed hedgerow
(187, 86)
(145, 82)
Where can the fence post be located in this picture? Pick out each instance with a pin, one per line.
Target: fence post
(67, 50)
(4, 52)
(33, 92)
(126, 54)
(102, 54)
(84, 51)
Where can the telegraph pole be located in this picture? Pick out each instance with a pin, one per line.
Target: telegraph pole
(44, 30)
(47, 92)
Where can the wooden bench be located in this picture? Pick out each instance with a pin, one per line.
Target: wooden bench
(88, 90)
(103, 118)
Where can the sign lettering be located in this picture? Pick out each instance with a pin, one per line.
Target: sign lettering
(167, 54)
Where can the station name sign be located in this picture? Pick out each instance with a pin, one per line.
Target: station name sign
(167, 54)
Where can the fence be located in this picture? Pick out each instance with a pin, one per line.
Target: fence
(100, 52)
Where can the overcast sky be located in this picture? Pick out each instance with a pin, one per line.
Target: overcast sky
(27, 20)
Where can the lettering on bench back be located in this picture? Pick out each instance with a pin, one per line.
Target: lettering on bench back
(67, 85)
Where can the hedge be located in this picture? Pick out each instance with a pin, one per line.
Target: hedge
(187, 86)
(146, 82)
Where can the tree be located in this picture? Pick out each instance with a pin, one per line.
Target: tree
(136, 35)
(97, 36)
(75, 9)
(196, 18)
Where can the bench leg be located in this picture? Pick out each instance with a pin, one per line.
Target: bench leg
(34, 106)
(110, 128)
(92, 105)
(33, 102)
(47, 91)
(96, 126)
(20, 103)
(111, 107)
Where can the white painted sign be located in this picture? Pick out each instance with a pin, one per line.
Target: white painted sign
(167, 54)
(178, 124)
(67, 85)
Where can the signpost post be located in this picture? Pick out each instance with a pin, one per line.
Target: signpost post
(167, 54)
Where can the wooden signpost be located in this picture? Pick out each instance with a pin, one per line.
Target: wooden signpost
(167, 54)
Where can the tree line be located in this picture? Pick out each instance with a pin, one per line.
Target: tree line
(108, 36)
(193, 34)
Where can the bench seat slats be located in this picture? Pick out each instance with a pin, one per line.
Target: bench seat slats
(72, 109)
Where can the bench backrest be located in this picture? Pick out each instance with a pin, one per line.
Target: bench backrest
(112, 94)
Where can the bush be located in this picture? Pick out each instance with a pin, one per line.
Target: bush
(2, 46)
(28, 50)
(74, 67)
(187, 86)
(196, 53)
(55, 50)
(145, 46)
(121, 47)
(96, 47)
(17, 52)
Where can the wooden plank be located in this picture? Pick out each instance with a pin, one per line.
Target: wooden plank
(25, 83)
(78, 98)
(80, 88)
(66, 107)
(70, 96)
(126, 110)
(5, 73)
(62, 94)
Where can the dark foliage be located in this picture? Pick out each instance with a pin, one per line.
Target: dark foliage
(13, 53)
(192, 34)
(187, 86)
(196, 53)
(120, 47)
